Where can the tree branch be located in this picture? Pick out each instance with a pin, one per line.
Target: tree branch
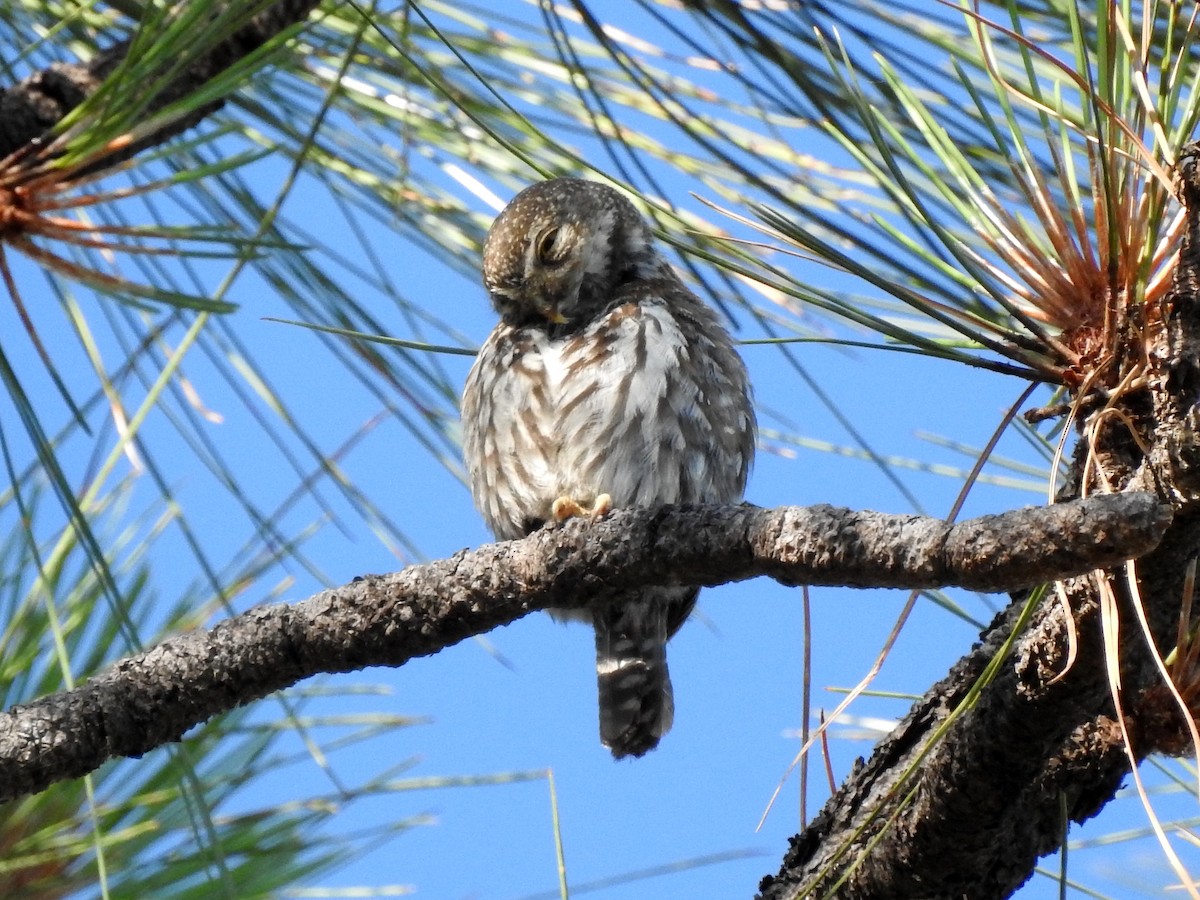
(155, 697)
(987, 801)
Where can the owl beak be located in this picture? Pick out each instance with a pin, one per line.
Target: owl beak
(552, 314)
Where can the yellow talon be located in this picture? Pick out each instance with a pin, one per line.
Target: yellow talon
(565, 508)
(569, 508)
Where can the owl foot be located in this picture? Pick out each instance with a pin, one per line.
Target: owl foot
(569, 508)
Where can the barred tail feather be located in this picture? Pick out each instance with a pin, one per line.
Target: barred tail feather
(636, 704)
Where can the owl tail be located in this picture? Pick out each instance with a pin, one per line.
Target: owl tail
(636, 704)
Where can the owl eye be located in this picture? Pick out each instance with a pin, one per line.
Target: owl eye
(545, 249)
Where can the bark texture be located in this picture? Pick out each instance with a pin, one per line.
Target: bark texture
(155, 697)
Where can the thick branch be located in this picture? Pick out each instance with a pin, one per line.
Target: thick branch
(154, 697)
(990, 797)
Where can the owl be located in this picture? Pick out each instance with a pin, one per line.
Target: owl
(607, 383)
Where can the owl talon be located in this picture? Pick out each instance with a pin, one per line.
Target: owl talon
(569, 508)
(601, 506)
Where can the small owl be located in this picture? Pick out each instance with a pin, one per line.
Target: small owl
(606, 383)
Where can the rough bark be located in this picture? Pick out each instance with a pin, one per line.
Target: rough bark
(155, 697)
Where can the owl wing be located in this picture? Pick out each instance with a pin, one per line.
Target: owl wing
(510, 444)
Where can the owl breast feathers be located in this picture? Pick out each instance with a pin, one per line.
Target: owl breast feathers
(605, 378)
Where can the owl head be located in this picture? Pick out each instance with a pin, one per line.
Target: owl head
(558, 252)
